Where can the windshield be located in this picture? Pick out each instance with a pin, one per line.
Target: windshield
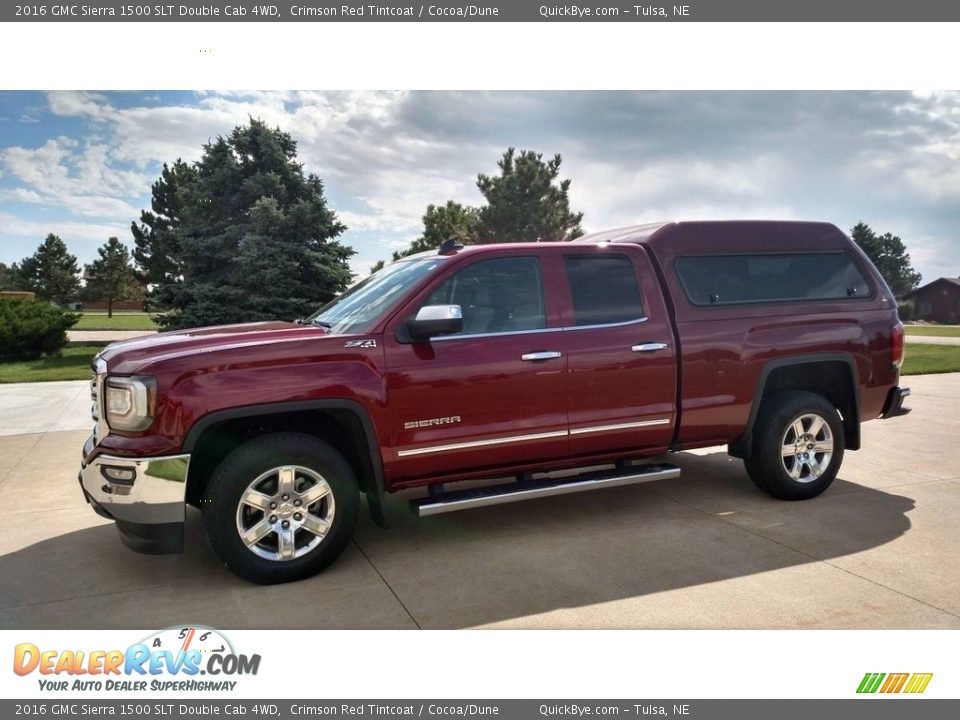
(357, 309)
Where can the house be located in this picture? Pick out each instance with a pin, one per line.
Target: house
(938, 301)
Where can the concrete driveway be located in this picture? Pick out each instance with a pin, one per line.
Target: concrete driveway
(707, 550)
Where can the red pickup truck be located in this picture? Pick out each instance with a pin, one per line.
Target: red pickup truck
(776, 339)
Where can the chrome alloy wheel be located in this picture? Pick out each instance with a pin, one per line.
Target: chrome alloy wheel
(806, 447)
(285, 513)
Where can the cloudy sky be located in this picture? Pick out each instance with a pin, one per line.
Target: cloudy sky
(81, 164)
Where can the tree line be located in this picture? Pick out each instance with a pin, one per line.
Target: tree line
(244, 234)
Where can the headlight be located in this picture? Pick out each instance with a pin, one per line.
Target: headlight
(130, 402)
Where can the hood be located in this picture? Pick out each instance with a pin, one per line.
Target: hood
(128, 357)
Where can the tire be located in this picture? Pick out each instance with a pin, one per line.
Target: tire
(274, 479)
(811, 467)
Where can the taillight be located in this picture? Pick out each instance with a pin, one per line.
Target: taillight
(896, 345)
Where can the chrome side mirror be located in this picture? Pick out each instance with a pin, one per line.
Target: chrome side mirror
(434, 320)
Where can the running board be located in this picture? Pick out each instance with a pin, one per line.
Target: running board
(444, 502)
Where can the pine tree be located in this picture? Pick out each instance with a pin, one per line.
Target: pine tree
(254, 237)
(890, 256)
(51, 272)
(525, 203)
(442, 222)
(157, 244)
(111, 277)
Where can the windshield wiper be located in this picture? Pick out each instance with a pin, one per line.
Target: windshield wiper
(321, 323)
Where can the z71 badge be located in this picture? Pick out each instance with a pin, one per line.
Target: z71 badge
(360, 343)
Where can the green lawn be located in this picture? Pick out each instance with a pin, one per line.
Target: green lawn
(934, 330)
(922, 359)
(120, 321)
(73, 364)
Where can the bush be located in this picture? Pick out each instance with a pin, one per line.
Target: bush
(29, 329)
(905, 310)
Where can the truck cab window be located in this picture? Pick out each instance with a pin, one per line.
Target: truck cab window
(604, 289)
(500, 295)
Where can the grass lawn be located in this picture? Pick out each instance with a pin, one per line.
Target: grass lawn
(922, 359)
(934, 330)
(73, 364)
(119, 321)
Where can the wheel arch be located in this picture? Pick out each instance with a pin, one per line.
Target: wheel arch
(343, 423)
(805, 372)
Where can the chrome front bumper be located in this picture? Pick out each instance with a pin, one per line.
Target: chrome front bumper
(146, 496)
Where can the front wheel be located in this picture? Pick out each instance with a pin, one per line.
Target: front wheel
(797, 446)
(280, 508)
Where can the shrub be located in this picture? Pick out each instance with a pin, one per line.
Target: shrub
(30, 329)
(905, 310)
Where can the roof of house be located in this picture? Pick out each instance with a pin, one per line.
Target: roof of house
(951, 280)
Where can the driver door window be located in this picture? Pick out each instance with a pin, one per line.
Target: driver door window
(496, 296)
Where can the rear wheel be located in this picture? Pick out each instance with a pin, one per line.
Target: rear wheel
(281, 507)
(797, 445)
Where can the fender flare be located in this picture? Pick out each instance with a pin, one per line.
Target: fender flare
(742, 446)
(375, 494)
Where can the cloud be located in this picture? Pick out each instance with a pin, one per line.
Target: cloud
(890, 158)
(88, 232)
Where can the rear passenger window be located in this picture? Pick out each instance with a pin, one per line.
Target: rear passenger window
(604, 289)
(772, 277)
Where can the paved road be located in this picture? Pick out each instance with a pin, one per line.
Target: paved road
(44, 407)
(707, 550)
(933, 340)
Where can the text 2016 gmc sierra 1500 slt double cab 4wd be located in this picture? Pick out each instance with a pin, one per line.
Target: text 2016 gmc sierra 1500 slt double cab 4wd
(775, 338)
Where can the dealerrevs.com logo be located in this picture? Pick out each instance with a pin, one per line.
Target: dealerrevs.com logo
(172, 659)
(889, 683)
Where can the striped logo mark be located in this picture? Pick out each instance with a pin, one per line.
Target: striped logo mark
(913, 683)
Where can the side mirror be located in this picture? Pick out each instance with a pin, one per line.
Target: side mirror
(434, 320)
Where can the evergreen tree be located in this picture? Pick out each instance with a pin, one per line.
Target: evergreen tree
(157, 244)
(440, 223)
(51, 272)
(890, 255)
(525, 203)
(111, 277)
(253, 235)
(9, 279)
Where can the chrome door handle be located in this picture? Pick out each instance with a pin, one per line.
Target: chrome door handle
(545, 355)
(649, 347)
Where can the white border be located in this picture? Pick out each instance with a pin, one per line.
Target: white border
(356, 56)
(562, 664)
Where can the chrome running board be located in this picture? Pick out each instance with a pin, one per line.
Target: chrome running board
(450, 501)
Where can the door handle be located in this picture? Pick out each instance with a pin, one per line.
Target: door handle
(649, 347)
(545, 355)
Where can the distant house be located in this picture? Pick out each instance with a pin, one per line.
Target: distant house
(938, 301)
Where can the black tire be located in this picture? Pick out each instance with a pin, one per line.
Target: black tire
(775, 429)
(231, 480)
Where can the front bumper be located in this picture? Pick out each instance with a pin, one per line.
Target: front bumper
(894, 404)
(146, 497)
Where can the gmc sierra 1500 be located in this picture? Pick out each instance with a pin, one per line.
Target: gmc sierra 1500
(775, 338)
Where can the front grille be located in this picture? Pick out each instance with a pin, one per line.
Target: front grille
(94, 395)
(99, 369)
